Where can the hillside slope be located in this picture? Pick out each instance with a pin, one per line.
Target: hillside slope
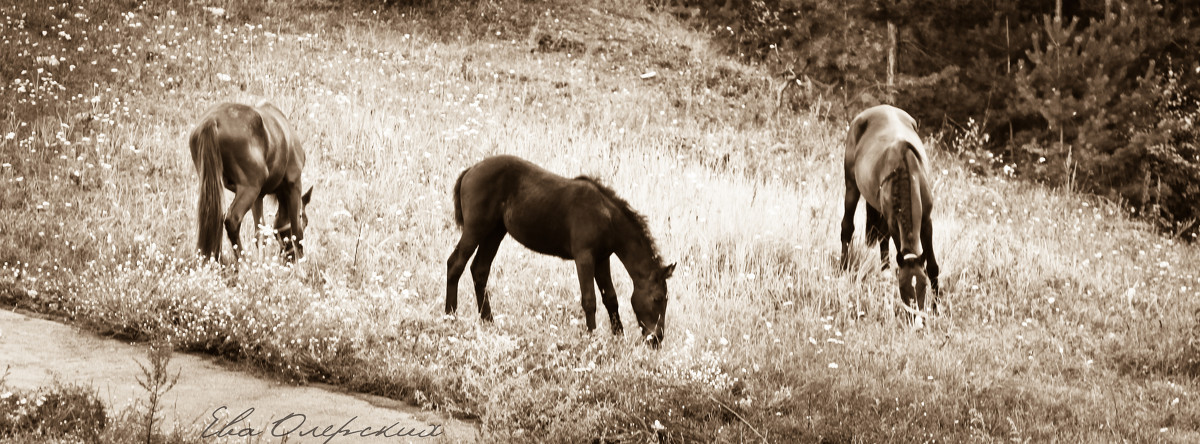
(1063, 319)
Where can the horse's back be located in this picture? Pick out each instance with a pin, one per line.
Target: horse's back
(540, 209)
(487, 186)
(256, 137)
(283, 146)
(880, 127)
(878, 137)
(506, 165)
(279, 133)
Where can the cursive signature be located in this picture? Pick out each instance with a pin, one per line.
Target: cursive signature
(292, 424)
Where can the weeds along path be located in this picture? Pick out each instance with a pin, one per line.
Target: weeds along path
(39, 353)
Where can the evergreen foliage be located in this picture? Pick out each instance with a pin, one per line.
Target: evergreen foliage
(1098, 96)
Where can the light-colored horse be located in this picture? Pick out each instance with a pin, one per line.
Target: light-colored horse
(887, 166)
(252, 151)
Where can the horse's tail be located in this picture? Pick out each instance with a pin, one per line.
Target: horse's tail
(458, 214)
(212, 190)
(909, 211)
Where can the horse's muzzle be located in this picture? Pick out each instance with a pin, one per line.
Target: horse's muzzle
(653, 341)
(293, 252)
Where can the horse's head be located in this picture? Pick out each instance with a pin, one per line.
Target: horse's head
(290, 237)
(913, 280)
(650, 304)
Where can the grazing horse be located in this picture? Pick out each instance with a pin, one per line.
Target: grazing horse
(252, 151)
(887, 166)
(576, 219)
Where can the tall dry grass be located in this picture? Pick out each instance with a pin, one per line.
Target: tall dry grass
(1063, 319)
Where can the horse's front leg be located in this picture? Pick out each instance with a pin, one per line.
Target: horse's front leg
(257, 210)
(877, 229)
(931, 265)
(586, 266)
(608, 294)
(295, 209)
(851, 203)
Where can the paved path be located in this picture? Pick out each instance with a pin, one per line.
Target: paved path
(39, 352)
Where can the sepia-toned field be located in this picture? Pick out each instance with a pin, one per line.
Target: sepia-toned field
(1063, 319)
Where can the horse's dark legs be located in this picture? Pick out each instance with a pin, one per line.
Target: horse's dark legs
(243, 199)
(608, 294)
(455, 266)
(911, 287)
(904, 278)
(931, 265)
(585, 264)
(852, 195)
(877, 230)
(481, 267)
(257, 210)
(295, 210)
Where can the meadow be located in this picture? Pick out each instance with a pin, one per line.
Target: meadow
(1063, 319)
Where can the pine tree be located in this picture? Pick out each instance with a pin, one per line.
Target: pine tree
(1091, 87)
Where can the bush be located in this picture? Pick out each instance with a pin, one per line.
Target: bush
(1111, 123)
(1170, 186)
(802, 40)
(63, 410)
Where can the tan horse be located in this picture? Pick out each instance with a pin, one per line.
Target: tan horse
(252, 151)
(886, 165)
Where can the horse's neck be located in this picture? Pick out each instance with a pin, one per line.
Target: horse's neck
(635, 252)
(907, 194)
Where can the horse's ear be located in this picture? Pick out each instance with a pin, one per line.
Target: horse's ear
(307, 196)
(668, 270)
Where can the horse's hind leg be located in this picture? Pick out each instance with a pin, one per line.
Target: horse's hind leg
(481, 268)
(608, 294)
(455, 266)
(243, 199)
(931, 265)
(852, 196)
(877, 232)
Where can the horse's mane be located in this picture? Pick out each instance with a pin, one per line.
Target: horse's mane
(639, 221)
(901, 196)
(902, 202)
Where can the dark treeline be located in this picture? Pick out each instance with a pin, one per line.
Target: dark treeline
(1099, 95)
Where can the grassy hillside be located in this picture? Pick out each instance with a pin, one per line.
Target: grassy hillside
(1063, 319)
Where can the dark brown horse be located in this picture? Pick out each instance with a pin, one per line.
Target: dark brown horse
(886, 165)
(252, 151)
(576, 219)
